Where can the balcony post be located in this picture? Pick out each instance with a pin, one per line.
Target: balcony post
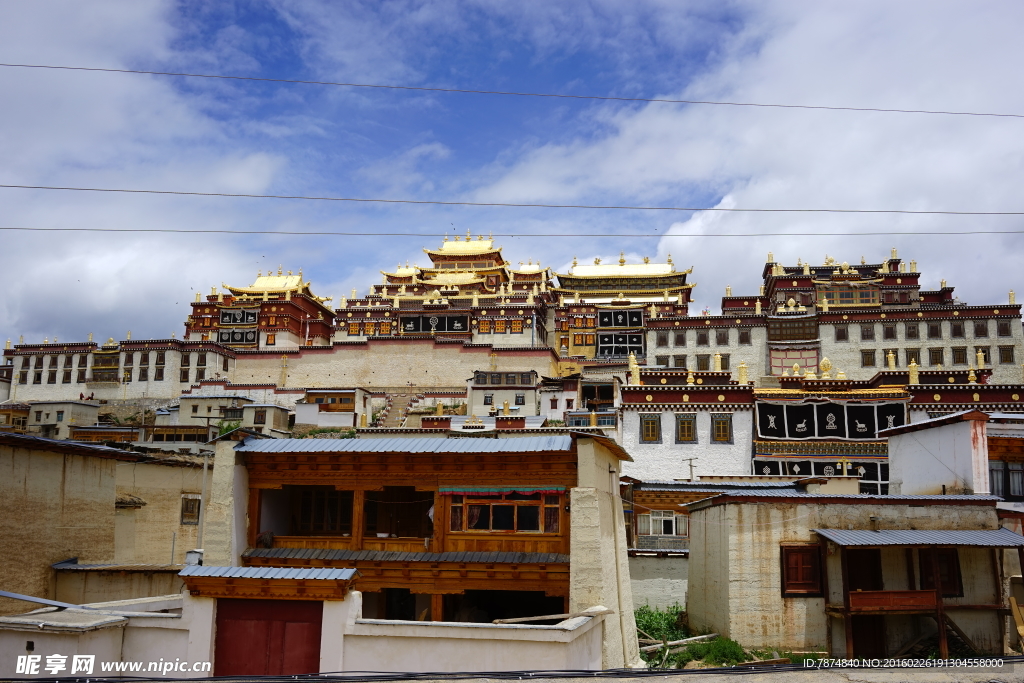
(358, 517)
(940, 616)
(847, 619)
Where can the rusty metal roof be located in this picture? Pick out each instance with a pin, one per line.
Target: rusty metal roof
(302, 573)
(987, 538)
(527, 444)
(390, 556)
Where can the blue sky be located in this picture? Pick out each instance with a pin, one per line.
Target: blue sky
(134, 131)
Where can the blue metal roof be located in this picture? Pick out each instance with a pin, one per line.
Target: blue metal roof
(526, 444)
(988, 538)
(303, 573)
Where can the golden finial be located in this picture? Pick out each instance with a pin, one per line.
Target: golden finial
(213, 291)
(468, 236)
(771, 257)
(128, 337)
(353, 292)
(890, 358)
(689, 377)
(259, 273)
(791, 303)
(110, 341)
(718, 362)
(55, 338)
(289, 272)
(1013, 298)
(574, 262)
(741, 373)
(942, 284)
(647, 259)
(971, 377)
(840, 375)
(46, 340)
(863, 262)
(913, 266)
(280, 269)
(981, 359)
(810, 374)
(796, 369)
(757, 307)
(458, 237)
(913, 368)
(446, 237)
(197, 297)
(903, 266)
(728, 290)
(825, 366)
(90, 336)
(669, 259)
(173, 335)
(622, 258)
(807, 269)
(894, 252)
(597, 261)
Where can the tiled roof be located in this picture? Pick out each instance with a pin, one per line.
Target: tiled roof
(302, 573)
(528, 444)
(988, 538)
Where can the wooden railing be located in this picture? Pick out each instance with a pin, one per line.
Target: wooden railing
(454, 543)
(893, 600)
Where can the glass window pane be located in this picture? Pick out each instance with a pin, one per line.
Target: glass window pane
(644, 524)
(551, 520)
(479, 517)
(529, 518)
(456, 518)
(503, 517)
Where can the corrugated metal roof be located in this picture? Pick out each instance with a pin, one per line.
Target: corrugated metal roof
(111, 567)
(989, 538)
(724, 485)
(301, 573)
(788, 493)
(713, 489)
(389, 556)
(526, 444)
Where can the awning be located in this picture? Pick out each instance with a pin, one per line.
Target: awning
(498, 490)
(984, 538)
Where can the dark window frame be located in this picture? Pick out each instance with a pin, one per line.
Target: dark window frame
(716, 420)
(650, 421)
(689, 419)
(803, 586)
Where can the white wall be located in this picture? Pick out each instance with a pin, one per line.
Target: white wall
(954, 456)
(659, 582)
(666, 460)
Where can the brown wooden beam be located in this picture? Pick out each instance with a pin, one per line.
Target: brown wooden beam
(940, 616)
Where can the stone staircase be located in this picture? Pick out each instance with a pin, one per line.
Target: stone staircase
(398, 410)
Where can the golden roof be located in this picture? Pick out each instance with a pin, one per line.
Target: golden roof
(465, 247)
(271, 283)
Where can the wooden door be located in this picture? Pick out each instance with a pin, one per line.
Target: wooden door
(864, 571)
(267, 637)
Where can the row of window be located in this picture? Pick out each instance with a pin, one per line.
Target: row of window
(958, 355)
(933, 330)
(802, 574)
(1006, 479)
(662, 523)
(686, 428)
(128, 375)
(703, 337)
(703, 361)
(520, 399)
(159, 358)
(510, 378)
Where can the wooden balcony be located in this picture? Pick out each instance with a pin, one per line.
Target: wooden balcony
(893, 601)
(523, 543)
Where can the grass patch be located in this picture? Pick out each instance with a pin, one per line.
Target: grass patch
(661, 624)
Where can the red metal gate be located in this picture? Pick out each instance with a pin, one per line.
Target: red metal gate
(267, 637)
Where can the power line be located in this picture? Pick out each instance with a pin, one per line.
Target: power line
(341, 233)
(514, 93)
(368, 200)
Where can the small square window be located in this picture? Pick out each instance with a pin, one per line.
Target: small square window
(680, 338)
(488, 399)
(679, 362)
(867, 332)
(526, 378)
(1003, 328)
(959, 355)
(725, 361)
(912, 356)
(495, 378)
(801, 571)
(980, 328)
(936, 356)
(702, 338)
(745, 337)
(703, 362)
(520, 399)
(650, 429)
(686, 428)
(661, 360)
(956, 330)
(935, 330)
(842, 333)
(1006, 354)
(721, 337)
(661, 339)
(867, 358)
(889, 331)
(721, 428)
(913, 331)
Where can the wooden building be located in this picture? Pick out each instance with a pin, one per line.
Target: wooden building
(455, 529)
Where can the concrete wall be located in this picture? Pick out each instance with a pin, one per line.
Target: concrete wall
(753, 354)
(226, 519)
(659, 582)
(54, 507)
(735, 573)
(81, 587)
(951, 459)
(599, 564)
(666, 460)
(146, 534)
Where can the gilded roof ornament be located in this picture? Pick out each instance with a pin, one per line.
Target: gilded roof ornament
(771, 257)
(597, 261)
(1013, 298)
(647, 259)
(622, 258)
(894, 252)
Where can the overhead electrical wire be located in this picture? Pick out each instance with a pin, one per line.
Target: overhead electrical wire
(471, 91)
(369, 200)
(342, 233)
